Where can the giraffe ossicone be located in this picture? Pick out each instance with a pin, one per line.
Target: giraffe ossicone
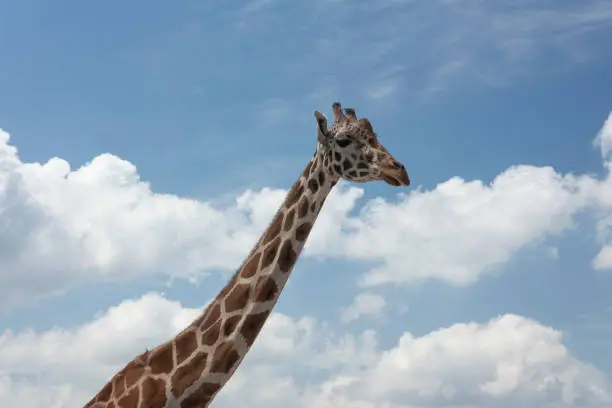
(190, 369)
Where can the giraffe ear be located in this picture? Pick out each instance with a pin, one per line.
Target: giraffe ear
(322, 131)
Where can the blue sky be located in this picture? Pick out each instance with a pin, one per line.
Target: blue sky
(214, 101)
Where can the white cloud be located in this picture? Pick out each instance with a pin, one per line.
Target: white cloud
(459, 230)
(603, 140)
(100, 221)
(603, 260)
(364, 304)
(60, 225)
(62, 367)
(39, 361)
(110, 340)
(506, 362)
(35, 393)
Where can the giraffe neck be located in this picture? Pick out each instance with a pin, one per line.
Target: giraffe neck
(246, 302)
(189, 370)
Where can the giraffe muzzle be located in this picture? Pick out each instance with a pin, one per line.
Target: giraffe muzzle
(395, 174)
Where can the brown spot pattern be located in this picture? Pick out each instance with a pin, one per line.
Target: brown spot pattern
(274, 229)
(270, 253)
(266, 289)
(188, 374)
(154, 392)
(132, 376)
(210, 336)
(201, 396)
(161, 359)
(185, 344)
(289, 220)
(237, 298)
(287, 257)
(224, 358)
(105, 393)
(250, 268)
(313, 185)
(228, 286)
(230, 325)
(302, 231)
(209, 317)
(130, 400)
(252, 326)
(119, 383)
(294, 194)
(321, 178)
(307, 169)
(303, 207)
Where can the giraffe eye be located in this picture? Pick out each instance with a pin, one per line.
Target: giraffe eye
(344, 142)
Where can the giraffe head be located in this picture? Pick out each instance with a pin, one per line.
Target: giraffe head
(350, 149)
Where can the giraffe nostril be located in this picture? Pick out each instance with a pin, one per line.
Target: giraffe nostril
(396, 165)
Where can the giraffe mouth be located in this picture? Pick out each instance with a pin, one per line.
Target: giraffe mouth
(391, 180)
(396, 180)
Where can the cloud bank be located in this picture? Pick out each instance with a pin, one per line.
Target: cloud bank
(101, 221)
(507, 361)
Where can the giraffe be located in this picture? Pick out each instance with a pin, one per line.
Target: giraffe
(189, 370)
